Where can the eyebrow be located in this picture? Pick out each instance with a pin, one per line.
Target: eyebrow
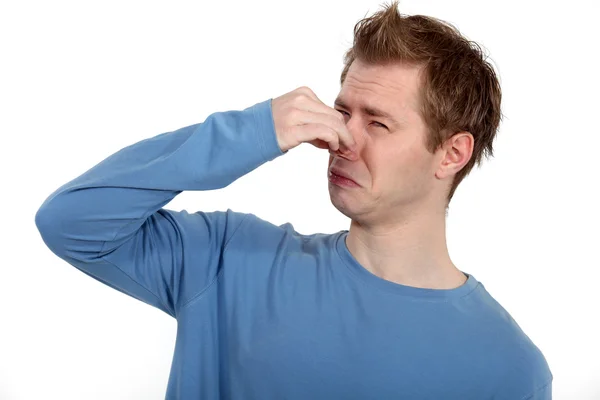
(374, 112)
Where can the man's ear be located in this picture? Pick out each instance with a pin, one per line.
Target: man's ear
(457, 152)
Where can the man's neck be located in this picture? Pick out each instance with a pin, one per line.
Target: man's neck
(412, 252)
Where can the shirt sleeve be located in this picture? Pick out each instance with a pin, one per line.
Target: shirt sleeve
(543, 393)
(110, 222)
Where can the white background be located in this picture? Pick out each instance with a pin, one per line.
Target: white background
(81, 80)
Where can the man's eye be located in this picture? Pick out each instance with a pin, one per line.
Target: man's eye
(375, 122)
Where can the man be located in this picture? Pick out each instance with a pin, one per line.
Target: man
(378, 311)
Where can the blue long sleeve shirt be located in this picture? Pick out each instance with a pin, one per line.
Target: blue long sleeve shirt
(264, 312)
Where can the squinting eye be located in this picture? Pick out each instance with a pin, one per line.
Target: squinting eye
(375, 122)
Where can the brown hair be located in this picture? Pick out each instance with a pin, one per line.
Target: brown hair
(459, 89)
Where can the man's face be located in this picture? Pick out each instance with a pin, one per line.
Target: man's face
(394, 169)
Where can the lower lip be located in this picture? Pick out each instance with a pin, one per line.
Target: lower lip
(341, 181)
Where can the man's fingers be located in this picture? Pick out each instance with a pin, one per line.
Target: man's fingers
(323, 114)
(293, 111)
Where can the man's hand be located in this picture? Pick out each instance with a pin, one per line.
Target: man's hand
(301, 117)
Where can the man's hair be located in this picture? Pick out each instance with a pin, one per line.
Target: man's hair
(459, 89)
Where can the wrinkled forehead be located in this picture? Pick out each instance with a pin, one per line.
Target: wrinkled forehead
(392, 89)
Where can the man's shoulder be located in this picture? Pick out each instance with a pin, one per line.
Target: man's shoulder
(256, 233)
(255, 225)
(524, 366)
(526, 372)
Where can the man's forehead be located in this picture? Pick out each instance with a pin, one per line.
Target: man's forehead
(387, 90)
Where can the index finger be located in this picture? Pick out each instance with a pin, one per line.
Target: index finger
(318, 106)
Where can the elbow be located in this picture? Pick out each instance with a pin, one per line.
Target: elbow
(65, 235)
(51, 220)
(45, 222)
(45, 218)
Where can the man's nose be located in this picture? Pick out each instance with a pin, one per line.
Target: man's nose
(347, 155)
(344, 152)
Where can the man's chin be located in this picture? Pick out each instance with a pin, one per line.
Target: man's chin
(341, 205)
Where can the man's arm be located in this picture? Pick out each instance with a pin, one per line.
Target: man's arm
(109, 222)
